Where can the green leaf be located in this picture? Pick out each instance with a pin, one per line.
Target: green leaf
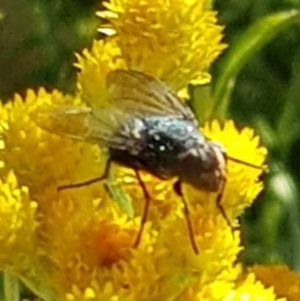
(288, 127)
(118, 195)
(239, 53)
(201, 102)
(11, 287)
(283, 209)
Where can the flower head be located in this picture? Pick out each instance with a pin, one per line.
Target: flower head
(252, 290)
(86, 238)
(33, 154)
(94, 65)
(286, 283)
(18, 214)
(175, 41)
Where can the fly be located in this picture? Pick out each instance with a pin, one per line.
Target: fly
(146, 127)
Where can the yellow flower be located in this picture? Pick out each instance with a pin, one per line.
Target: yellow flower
(17, 221)
(84, 237)
(175, 41)
(252, 290)
(34, 154)
(94, 65)
(286, 283)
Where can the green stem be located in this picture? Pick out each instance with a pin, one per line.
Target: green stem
(10, 287)
(288, 127)
(252, 40)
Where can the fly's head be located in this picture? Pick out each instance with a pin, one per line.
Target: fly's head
(203, 166)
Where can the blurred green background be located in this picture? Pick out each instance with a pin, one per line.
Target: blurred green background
(37, 43)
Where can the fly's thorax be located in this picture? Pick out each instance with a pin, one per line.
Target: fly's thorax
(132, 132)
(203, 166)
(166, 139)
(155, 142)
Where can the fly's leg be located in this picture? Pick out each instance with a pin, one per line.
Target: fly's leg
(221, 208)
(177, 188)
(89, 182)
(145, 211)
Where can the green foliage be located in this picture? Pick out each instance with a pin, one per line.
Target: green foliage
(38, 39)
(240, 52)
(261, 88)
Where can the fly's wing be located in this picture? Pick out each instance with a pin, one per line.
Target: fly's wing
(132, 93)
(81, 123)
(143, 95)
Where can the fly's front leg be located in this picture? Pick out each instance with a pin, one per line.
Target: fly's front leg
(221, 208)
(145, 211)
(89, 182)
(178, 190)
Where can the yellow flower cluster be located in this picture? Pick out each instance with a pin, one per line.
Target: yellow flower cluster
(179, 39)
(77, 244)
(285, 282)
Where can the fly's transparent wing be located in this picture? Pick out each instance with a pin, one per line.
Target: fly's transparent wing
(143, 95)
(94, 126)
(132, 94)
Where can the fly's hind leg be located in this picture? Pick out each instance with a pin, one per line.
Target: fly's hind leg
(89, 182)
